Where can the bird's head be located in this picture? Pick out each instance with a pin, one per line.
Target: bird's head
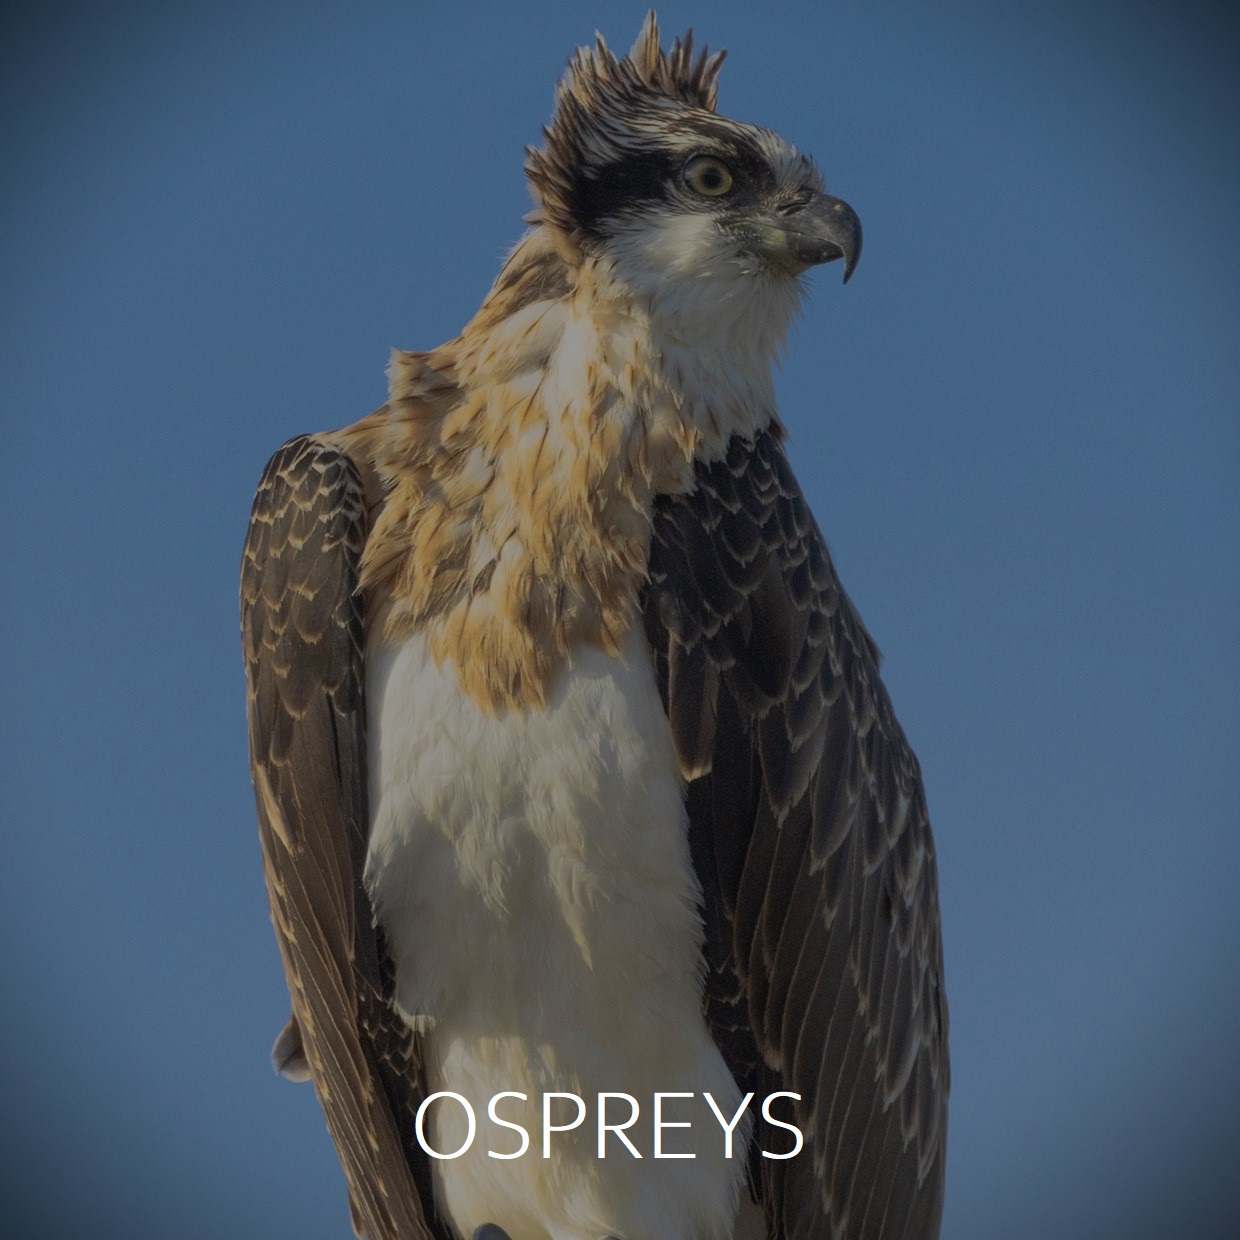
(702, 215)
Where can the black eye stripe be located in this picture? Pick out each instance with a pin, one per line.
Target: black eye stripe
(751, 169)
(621, 187)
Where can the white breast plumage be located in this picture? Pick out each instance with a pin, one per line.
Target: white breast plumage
(532, 873)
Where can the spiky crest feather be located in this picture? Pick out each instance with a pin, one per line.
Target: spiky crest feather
(605, 106)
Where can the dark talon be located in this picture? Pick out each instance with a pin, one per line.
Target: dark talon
(488, 1231)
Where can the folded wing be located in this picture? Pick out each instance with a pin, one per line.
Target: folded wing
(303, 636)
(811, 839)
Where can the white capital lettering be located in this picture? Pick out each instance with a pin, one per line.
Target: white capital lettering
(419, 1121)
(525, 1136)
(766, 1115)
(604, 1127)
(660, 1124)
(549, 1127)
(729, 1129)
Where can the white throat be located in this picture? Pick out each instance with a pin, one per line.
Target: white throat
(717, 321)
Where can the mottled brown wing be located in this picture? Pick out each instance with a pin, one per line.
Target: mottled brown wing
(809, 832)
(303, 634)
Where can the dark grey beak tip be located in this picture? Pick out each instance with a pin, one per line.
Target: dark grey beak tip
(825, 230)
(847, 235)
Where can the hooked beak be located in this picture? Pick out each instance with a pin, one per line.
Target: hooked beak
(821, 231)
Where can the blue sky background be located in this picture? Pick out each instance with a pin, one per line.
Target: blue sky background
(1019, 427)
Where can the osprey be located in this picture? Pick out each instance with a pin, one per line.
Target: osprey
(582, 805)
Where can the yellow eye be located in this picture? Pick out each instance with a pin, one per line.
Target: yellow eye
(707, 176)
